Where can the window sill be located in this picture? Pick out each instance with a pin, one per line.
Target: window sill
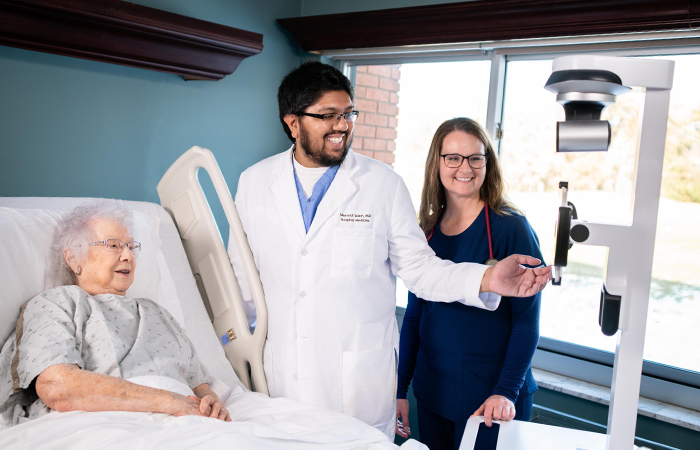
(675, 415)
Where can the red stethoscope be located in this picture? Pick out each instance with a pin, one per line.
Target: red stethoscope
(491, 261)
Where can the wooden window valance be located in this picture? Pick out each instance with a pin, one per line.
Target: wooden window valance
(124, 33)
(490, 20)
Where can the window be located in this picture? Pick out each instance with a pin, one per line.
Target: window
(674, 309)
(601, 185)
(601, 189)
(429, 94)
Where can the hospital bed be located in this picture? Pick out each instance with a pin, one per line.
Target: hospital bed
(183, 266)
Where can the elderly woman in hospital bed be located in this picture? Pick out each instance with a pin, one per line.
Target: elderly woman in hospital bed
(81, 341)
(87, 346)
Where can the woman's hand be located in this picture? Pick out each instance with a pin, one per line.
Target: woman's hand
(402, 427)
(209, 403)
(496, 407)
(510, 278)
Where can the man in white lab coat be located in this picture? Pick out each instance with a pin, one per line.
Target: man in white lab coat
(330, 231)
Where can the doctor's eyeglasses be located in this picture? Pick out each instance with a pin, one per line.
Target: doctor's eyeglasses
(117, 246)
(454, 160)
(334, 118)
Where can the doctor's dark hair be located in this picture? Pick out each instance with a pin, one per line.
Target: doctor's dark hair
(492, 192)
(74, 235)
(303, 86)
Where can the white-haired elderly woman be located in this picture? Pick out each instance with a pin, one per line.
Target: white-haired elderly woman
(80, 343)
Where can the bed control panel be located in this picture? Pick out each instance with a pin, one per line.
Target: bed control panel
(228, 337)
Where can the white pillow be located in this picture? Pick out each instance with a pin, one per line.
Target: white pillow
(26, 236)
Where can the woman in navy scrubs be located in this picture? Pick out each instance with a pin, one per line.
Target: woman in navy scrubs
(466, 361)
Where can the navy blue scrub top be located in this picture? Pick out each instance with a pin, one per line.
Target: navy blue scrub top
(458, 355)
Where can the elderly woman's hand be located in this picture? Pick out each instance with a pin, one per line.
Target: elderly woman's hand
(496, 407)
(209, 403)
(186, 406)
(66, 387)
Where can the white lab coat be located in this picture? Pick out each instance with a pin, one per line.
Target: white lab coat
(332, 336)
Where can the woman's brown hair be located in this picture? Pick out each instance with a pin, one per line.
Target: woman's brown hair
(492, 192)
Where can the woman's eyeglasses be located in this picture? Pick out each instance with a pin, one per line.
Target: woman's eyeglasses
(117, 245)
(454, 160)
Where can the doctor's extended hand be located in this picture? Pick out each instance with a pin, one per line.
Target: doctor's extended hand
(496, 407)
(511, 279)
(402, 427)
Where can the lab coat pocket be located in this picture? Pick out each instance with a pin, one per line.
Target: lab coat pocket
(352, 253)
(369, 378)
(267, 367)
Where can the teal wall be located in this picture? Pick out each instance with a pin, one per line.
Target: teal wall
(70, 127)
(77, 128)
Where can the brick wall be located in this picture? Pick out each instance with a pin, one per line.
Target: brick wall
(376, 97)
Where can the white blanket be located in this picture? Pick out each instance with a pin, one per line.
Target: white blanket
(258, 422)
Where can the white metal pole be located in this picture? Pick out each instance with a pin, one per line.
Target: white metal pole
(627, 371)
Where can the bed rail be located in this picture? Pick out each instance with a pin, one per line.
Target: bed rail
(182, 196)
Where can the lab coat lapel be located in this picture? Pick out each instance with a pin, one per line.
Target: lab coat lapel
(342, 188)
(285, 191)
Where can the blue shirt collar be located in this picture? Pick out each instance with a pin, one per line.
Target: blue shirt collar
(310, 205)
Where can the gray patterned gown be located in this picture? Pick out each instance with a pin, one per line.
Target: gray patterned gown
(108, 334)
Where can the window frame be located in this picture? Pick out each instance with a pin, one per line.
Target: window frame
(660, 382)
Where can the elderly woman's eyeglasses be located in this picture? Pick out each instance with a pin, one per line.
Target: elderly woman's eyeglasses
(454, 160)
(333, 118)
(117, 245)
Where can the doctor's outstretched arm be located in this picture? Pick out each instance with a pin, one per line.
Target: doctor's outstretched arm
(437, 280)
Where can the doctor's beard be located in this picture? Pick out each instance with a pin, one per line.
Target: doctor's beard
(317, 154)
